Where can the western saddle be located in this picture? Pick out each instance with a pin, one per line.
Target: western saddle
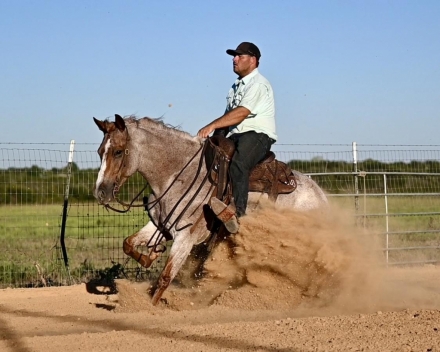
(269, 176)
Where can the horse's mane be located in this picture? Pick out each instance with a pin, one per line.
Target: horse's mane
(147, 122)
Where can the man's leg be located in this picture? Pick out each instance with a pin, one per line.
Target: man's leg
(250, 148)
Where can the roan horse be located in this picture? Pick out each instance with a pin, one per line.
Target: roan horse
(171, 162)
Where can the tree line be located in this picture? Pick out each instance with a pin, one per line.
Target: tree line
(36, 185)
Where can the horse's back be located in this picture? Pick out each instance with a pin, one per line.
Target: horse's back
(307, 195)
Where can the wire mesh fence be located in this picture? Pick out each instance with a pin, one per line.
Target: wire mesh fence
(393, 191)
(33, 181)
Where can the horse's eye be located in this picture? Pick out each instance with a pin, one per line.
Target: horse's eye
(118, 153)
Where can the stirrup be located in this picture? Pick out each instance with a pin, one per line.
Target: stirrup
(226, 214)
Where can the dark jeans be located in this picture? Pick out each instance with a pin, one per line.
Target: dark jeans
(250, 149)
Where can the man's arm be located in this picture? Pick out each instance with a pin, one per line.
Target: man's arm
(231, 118)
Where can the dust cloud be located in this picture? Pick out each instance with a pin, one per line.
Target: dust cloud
(315, 263)
(282, 259)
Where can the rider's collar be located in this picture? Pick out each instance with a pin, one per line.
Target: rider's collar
(245, 80)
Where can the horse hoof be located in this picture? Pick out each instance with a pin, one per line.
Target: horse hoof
(226, 214)
(145, 261)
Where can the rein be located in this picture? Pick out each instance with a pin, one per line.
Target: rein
(162, 230)
(130, 205)
(127, 205)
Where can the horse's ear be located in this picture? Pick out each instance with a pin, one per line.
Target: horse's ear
(119, 122)
(101, 125)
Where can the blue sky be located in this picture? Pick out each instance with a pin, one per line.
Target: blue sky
(342, 71)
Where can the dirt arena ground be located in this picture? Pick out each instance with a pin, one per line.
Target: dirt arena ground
(318, 285)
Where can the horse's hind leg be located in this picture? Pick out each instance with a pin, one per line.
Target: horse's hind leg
(147, 236)
(178, 254)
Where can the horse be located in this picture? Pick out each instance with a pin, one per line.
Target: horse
(171, 162)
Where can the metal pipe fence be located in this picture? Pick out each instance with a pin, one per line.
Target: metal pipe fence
(53, 232)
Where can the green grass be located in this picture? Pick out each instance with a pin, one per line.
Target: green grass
(30, 237)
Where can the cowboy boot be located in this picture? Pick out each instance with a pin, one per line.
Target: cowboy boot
(226, 214)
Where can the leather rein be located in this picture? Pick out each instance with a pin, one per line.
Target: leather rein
(162, 229)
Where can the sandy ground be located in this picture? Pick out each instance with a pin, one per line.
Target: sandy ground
(318, 285)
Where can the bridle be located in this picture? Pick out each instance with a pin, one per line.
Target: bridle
(116, 185)
(130, 205)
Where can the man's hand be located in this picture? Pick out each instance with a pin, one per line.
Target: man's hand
(231, 118)
(206, 131)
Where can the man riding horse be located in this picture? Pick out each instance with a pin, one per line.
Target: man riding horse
(180, 175)
(249, 121)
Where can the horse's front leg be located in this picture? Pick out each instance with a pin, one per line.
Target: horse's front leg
(147, 236)
(179, 252)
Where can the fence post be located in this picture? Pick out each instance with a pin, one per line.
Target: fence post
(386, 217)
(65, 205)
(356, 178)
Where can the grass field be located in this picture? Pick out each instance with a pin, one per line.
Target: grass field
(411, 223)
(30, 236)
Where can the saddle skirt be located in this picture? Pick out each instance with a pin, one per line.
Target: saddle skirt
(270, 176)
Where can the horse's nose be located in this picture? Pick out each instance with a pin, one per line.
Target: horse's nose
(101, 195)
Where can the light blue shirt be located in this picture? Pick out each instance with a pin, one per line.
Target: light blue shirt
(255, 93)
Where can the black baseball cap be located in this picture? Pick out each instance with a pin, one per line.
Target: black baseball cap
(245, 48)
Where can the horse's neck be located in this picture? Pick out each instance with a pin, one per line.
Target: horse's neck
(162, 156)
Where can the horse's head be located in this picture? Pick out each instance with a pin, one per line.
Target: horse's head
(115, 159)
